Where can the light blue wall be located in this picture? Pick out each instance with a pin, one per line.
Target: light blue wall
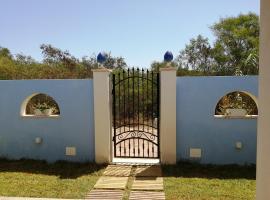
(74, 127)
(196, 125)
(198, 128)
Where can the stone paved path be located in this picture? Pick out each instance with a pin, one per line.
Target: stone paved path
(105, 194)
(148, 171)
(149, 195)
(107, 182)
(118, 170)
(148, 184)
(30, 198)
(145, 182)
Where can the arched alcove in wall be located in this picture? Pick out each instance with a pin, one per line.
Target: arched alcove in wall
(237, 104)
(40, 104)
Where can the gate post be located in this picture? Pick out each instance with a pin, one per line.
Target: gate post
(263, 133)
(102, 115)
(168, 115)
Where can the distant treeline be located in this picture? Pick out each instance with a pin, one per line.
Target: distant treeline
(235, 51)
(56, 64)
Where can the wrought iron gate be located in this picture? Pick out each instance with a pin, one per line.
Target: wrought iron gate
(136, 114)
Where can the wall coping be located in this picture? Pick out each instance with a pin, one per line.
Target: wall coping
(41, 116)
(236, 77)
(101, 70)
(168, 69)
(236, 117)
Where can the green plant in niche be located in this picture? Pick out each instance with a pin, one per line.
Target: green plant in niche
(236, 100)
(44, 109)
(42, 104)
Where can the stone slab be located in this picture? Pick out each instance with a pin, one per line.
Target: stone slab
(105, 194)
(107, 182)
(149, 195)
(148, 183)
(117, 170)
(148, 171)
(32, 198)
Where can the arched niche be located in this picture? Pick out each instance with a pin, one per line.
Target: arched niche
(237, 104)
(40, 105)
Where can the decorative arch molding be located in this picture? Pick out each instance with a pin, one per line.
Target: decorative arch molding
(237, 104)
(39, 105)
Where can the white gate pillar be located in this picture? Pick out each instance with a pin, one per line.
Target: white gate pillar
(168, 115)
(102, 115)
(263, 135)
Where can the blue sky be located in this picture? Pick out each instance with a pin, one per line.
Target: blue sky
(139, 30)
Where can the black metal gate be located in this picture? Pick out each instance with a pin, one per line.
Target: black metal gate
(136, 114)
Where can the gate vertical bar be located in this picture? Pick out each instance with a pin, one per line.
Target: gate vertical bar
(152, 114)
(128, 114)
(158, 115)
(124, 101)
(119, 111)
(138, 106)
(147, 108)
(114, 117)
(143, 109)
(133, 101)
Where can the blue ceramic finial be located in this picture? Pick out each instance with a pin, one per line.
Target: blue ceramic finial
(101, 58)
(168, 56)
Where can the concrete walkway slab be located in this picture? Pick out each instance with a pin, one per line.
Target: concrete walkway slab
(107, 182)
(117, 170)
(105, 194)
(148, 183)
(148, 171)
(31, 198)
(135, 161)
(149, 195)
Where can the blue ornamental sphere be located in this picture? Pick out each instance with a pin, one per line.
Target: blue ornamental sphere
(101, 58)
(168, 56)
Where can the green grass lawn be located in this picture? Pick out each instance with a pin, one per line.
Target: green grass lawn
(208, 182)
(29, 178)
(185, 181)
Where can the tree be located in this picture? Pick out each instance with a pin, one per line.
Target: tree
(114, 62)
(54, 55)
(4, 52)
(197, 56)
(253, 60)
(237, 40)
(110, 63)
(25, 60)
(236, 48)
(155, 66)
(56, 64)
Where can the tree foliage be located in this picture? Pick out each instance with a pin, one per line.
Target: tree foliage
(5, 53)
(236, 46)
(237, 39)
(56, 64)
(197, 56)
(55, 56)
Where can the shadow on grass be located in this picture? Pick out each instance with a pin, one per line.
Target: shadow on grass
(194, 170)
(62, 169)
